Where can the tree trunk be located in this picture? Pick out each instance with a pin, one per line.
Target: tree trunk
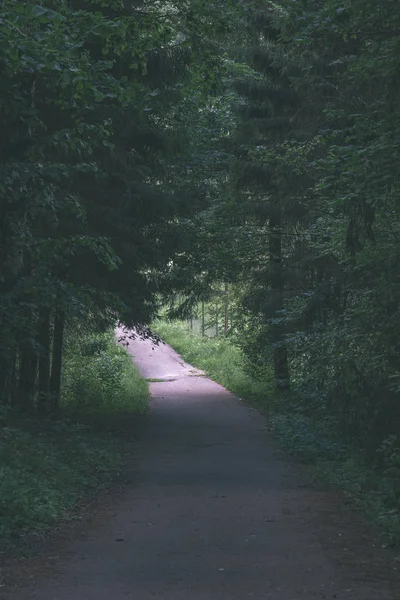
(226, 313)
(28, 362)
(56, 362)
(281, 364)
(8, 375)
(4, 374)
(44, 360)
(13, 390)
(202, 319)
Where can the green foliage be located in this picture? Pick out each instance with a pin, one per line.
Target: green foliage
(375, 490)
(306, 229)
(46, 468)
(99, 377)
(89, 94)
(311, 441)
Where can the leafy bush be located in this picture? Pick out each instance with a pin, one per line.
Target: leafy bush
(99, 377)
(47, 465)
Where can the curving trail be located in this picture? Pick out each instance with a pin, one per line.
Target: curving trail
(214, 511)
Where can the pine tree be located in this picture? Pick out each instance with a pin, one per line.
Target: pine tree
(265, 181)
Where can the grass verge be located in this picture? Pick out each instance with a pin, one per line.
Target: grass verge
(315, 442)
(48, 466)
(219, 358)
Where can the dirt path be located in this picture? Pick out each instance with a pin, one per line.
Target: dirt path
(215, 512)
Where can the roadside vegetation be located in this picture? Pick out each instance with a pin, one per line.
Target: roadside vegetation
(51, 464)
(100, 378)
(218, 357)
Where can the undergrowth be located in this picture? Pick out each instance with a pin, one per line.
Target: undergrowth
(47, 466)
(373, 485)
(100, 378)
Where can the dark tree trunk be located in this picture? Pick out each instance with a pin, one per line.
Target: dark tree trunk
(8, 371)
(12, 391)
(4, 375)
(281, 364)
(28, 362)
(44, 359)
(202, 319)
(56, 362)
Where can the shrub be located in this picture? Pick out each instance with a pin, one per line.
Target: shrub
(47, 465)
(100, 377)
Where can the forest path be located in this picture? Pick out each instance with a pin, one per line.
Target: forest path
(214, 511)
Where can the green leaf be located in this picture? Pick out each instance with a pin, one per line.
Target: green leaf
(38, 11)
(47, 13)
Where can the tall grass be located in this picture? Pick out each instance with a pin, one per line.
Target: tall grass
(219, 358)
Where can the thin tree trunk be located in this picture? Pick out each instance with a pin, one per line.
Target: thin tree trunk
(44, 359)
(27, 376)
(202, 320)
(56, 362)
(13, 389)
(281, 364)
(226, 313)
(4, 378)
(8, 383)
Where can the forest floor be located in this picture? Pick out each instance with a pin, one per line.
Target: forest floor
(210, 509)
